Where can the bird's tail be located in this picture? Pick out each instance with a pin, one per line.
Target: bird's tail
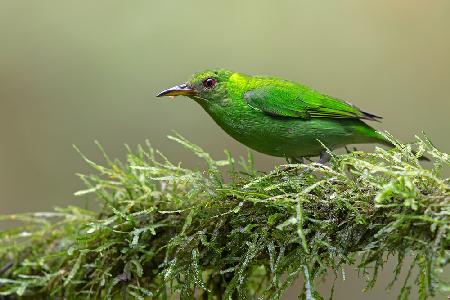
(371, 117)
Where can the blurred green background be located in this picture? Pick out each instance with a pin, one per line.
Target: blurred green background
(72, 72)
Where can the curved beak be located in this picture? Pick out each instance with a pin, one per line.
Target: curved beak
(178, 90)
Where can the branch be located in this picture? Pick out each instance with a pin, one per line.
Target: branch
(164, 231)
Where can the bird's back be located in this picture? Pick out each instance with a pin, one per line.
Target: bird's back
(295, 99)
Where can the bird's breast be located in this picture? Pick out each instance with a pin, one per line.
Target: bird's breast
(270, 135)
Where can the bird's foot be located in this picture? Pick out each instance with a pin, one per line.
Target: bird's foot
(295, 160)
(323, 159)
(292, 161)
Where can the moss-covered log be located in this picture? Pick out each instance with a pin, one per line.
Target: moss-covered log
(229, 231)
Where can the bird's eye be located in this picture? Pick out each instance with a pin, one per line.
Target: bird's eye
(209, 83)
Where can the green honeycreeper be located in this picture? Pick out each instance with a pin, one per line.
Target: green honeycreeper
(276, 116)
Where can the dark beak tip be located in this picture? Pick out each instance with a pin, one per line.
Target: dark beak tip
(164, 93)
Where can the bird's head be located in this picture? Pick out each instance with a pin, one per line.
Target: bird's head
(205, 87)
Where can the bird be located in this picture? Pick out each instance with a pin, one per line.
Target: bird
(279, 117)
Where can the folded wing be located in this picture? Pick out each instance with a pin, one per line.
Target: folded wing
(302, 102)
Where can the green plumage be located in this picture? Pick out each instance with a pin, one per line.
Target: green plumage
(275, 116)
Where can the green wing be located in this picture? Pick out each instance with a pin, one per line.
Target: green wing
(301, 102)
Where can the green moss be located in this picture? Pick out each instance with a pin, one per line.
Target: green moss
(164, 230)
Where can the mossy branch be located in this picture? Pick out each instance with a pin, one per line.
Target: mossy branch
(166, 231)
